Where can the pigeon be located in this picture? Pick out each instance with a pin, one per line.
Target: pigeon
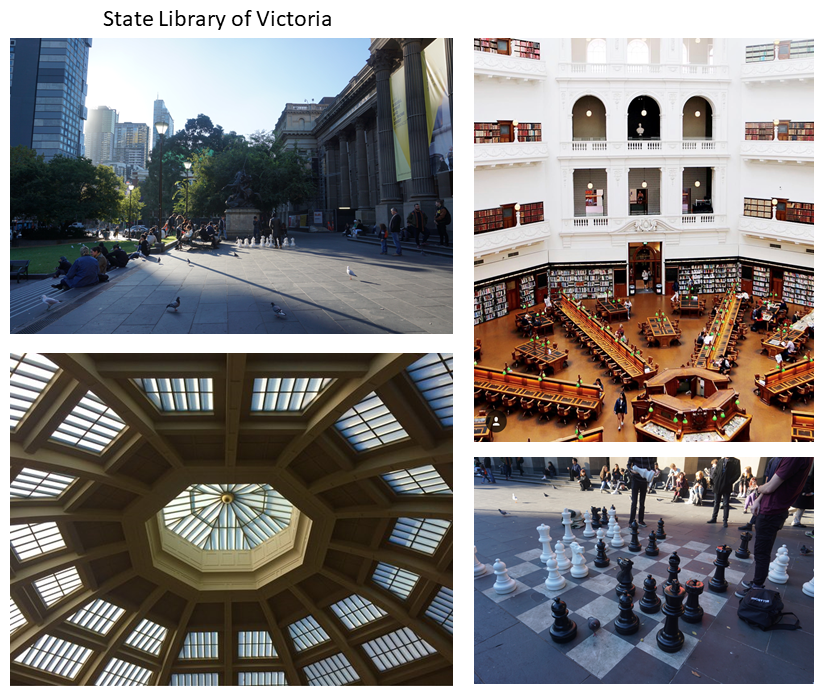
(545, 494)
(513, 497)
(278, 311)
(189, 263)
(236, 255)
(502, 512)
(175, 305)
(48, 302)
(350, 273)
(594, 624)
(805, 550)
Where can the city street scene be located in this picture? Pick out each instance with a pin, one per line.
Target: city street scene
(166, 202)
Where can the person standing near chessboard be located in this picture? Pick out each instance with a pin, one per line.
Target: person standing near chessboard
(642, 472)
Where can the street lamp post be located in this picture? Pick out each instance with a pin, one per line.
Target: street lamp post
(161, 128)
(129, 222)
(187, 166)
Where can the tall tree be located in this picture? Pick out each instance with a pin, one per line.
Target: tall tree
(28, 182)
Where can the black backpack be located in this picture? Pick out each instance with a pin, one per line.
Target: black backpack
(762, 608)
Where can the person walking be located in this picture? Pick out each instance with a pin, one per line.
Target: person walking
(417, 220)
(395, 229)
(383, 238)
(620, 409)
(645, 277)
(640, 483)
(274, 225)
(725, 475)
(442, 220)
(222, 227)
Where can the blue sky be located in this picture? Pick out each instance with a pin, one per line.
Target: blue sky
(242, 85)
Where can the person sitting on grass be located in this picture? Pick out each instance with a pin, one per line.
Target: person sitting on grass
(84, 272)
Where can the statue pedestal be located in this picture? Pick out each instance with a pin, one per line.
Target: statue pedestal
(240, 222)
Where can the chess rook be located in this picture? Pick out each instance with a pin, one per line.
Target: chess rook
(743, 551)
(504, 583)
(718, 584)
(692, 611)
(562, 629)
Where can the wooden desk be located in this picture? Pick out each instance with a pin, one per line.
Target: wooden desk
(689, 306)
(723, 326)
(716, 419)
(662, 330)
(786, 378)
(593, 435)
(481, 430)
(774, 344)
(548, 362)
(545, 325)
(614, 309)
(803, 426)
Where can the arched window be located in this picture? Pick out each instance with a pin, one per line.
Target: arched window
(709, 62)
(596, 51)
(685, 54)
(637, 51)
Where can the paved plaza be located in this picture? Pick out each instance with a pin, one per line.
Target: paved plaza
(221, 293)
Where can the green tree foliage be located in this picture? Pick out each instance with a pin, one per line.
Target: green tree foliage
(135, 207)
(28, 182)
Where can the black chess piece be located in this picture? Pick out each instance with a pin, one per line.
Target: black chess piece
(604, 521)
(673, 570)
(624, 578)
(627, 621)
(595, 517)
(670, 638)
(649, 603)
(652, 548)
(743, 551)
(660, 534)
(634, 545)
(562, 629)
(718, 584)
(601, 560)
(692, 611)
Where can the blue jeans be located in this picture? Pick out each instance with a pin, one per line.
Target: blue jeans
(395, 237)
(384, 242)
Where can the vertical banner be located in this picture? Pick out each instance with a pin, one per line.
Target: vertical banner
(401, 148)
(437, 106)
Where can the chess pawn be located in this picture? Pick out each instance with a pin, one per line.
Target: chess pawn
(718, 584)
(604, 520)
(743, 551)
(545, 542)
(649, 603)
(504, 583)
(692, 611)
(601, 561)
(779, 573)
(617, 540)
(809, 587)
(660, 534)
(670, 638)
(652, 548)
(589, 531)
(563, 562)
(479, 568)
(627, 621)
(673, 570)
(578, 562)
(554, 581)
(624, 578)
(567, 535)
(562, 629)
(634, 545)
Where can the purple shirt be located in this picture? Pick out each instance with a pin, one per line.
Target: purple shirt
(794, 471)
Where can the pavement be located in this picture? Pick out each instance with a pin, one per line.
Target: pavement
(224, 294)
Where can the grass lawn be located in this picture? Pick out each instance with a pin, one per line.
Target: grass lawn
(45, 259)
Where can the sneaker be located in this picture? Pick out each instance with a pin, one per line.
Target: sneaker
(641, 524)
(725, 524)
(798, 525)
(713, 521)
(745, 527)
(810, 533)
(746, 587)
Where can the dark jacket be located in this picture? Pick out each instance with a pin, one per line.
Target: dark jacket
(726, 474)
(417, 220)
(118, 257)
(395, 225)
(806, 499)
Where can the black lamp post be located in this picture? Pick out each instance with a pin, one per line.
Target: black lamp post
(187, 166)
(129, 222)
(161, 128)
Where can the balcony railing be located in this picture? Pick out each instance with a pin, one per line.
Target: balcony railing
(507, 154)
(508, 238)
(644, 147)
(642, 70)
(494, 65)
(774, 150)
(778, 230)
(643, 223)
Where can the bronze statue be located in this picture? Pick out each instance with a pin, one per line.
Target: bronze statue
(243, 194)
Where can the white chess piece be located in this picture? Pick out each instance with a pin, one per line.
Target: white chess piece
(563, 562)
(578, 562)
(589, 531)
(292, 241)
(554, 581)
(545, 541)
(504, 583)
(284, 242)
(808, 588)
(612, 522)
(782, 560)
(567, 535)
(617, 539)
(479, 567)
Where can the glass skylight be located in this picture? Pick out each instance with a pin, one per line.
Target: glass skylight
(32, 539)
(354, 611)
(56, 586)
(269, 678)
(370, 424)
(256, 645)
(178, 394)
(98, 616)
(441, 609)
(55, 656)
(335, 670)
(148, 636)
(397, 648)
(420, 534)
(29, 375)
(199, 645)
(16, 617)
(228, 516)
(420, 480)
(119, 672)
(286, 394)
(434, 376)
(194, 679)
(91, 425)
(34, 484)
(398, 581)
(307, 632)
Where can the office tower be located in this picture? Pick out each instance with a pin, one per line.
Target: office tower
(131, 143)
(160, 113)
(100, 134)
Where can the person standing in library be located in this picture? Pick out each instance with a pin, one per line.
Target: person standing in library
(645, 277)
(620, 410)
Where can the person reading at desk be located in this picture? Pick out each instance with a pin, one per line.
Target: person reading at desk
(789, 350)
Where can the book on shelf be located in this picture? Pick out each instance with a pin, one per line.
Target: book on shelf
(801, 130)
(801, 213)
(531, 213)
(759, 130)
(760, 52)
(758, 207)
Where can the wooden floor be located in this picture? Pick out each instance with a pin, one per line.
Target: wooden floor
(499, 337)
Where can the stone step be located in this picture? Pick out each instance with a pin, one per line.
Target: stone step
(407, 247)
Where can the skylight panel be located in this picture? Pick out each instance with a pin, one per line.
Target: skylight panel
(419, 480)
(370, 424)
(56, 586)
(34, 484)
(335, 670)
(257, 644)
(286, 394)
(441, 609)
(148, 636)
(178, 394)
(194, 679)
(91, 425)
(396, 649)
(98, 616)
(398, 581)
(33, 539)
(55, 656)
(262, 678)
(434, 377)
(420, 534)
(307, 632)
(118, 672)
(29, 375)
(200, 645)
(16, 618)
(354, 611)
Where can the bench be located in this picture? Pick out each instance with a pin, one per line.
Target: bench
(193, 240)
(18, 268)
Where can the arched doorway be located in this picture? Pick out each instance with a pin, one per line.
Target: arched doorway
(645, 256)
(643, 119)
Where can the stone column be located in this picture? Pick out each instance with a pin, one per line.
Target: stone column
(362, 186)
(382, 63)
(331, 169)
(449, 62)
(422, 181)
(344, 173)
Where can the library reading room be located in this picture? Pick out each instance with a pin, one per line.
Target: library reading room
(643, 239)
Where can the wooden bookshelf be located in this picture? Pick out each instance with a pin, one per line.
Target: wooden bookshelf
(760, 52)
(758, 207)
(509, 47)
(527, 285)
(759, 130)
(761, 281)
(531, 213)
(800, 213)
(709, 278)
(798, 288)
(490, 303)
(488, 219)
(579, 283)
(529, 132)
(801, 130)
(525, 49)
(486, 132)
(485, 45)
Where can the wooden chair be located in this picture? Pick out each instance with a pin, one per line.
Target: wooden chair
(757, 388)
(528, 406)
(583, 416)
(492, 398)
(803, 393)
(508, 403)
(627, 382)
(546, 409)
(565, 362)
(784, 399)
(563, 414)
(477, 395)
